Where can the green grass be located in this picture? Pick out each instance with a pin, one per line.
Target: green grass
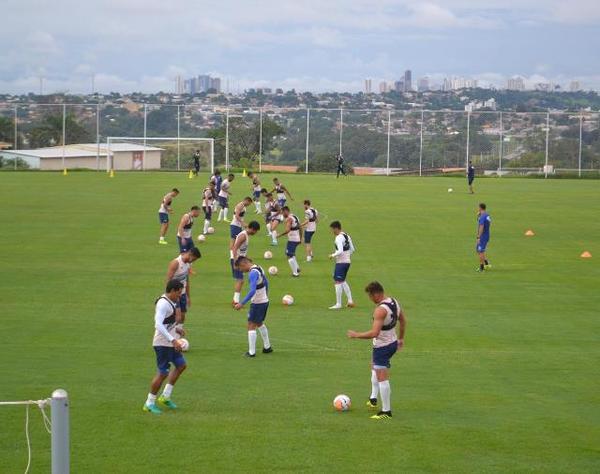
(500, 372)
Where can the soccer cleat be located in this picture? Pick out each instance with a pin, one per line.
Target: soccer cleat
(226, 220)
(267, 350)
(372, 403)
(336, 306)
(152, 409)
(351, 304)
(382, 415)
(247, 354)
(274, 243)
(167, 402)
(487, 267)
(479, 270)
(295, 275)
(162, 242)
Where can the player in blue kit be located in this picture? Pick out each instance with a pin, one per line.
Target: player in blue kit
(258, 296)
(483, 237)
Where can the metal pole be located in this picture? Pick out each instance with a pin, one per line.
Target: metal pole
(468, 139)
(59, 406)
(501, 151)
(98, 137)
(341, 128)
(389, 135)
(16, 145)
(580, 139)
(178, 136)
(145, 130)
(108, 155)
(227, 140)
(547, 141)
(212, 156)
(421, 147)
(260, 141)
(307, 138)
(64, 134)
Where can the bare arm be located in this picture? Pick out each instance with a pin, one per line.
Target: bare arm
(378, 318)
(171, 269)
(288, 226)
(182, 224)
(401, 328)
(285, 190)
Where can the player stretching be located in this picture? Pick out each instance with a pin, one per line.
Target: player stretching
(179, 269)
(166, 347)
(312, 217)
(208, 197)
(217, 180)
(224, 194)
(237, 222)
(471, 177)
(256, 191)
(343, 249)
(292, 229)
(273, 217)
(483, 237)
(386, 316)
(258, 295)
(281, 191)
(184, 231)
(163, 214)
(237, 249)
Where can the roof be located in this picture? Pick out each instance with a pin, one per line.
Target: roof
(82, 150)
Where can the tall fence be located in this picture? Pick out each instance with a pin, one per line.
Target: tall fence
(383, 141)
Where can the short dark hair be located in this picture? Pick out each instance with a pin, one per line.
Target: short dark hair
(374, 288)
(275, 179)
(285, 208)
(173, 284)
(243, 259)
(250, 174)
(307, 202)
(217, 172)
(269, 195)
(263, 190)
(195, 251)
(254, 225)
(175, 190)
(482, 206)
(230, 176)
(248, 198)
(336, 225)
(194, 208)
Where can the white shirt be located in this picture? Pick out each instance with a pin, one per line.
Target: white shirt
(388, 336)
(261, 295)
(187, 233)
(207, 197)
(225, 185)
(294, 235)
(164, 333)
(341, 255)
(166, 202)
(308, 214)
(242, 250)
(234, 220)
(182, 272)
(256, 184)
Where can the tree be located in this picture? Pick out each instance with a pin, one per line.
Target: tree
(7, 130)
(49, 133)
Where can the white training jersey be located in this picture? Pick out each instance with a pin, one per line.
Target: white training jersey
(280, 192)
(242, 250)
(164, 322)
(343, 248)
(387, 335)
(207, 197)
(166, 202)
(187, 229)
(256, 184)
(225, 185)
(235, 220)
(311, 215)
(261, 295)
(294, 233)
(182, 272)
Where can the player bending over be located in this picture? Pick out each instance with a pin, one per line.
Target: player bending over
(184, 231)
(223, 197)
(484, 222)
(163, 214)
(311, 216)
(256, 191)
(239, 248)
(167, 348)
(258, 295)
(273, 217)
(217, 180)
(237, 222)
(388, 313)
(344, 248)
(179, 269)
(292, 230)
(281, 191)
(208, 198)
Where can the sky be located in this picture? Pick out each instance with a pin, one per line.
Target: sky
(309, 45)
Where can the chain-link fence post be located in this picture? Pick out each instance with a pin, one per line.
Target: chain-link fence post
(468, 139)
(98, 136)
(547, 143)
(501, 148)
(64, 135)
(227, 140)
(389, 137)
(421, 146)
(178, 138)
(16, 145)
(260, 139)
(341, 128)
(307, 138)
(580, 139)
(145, 135)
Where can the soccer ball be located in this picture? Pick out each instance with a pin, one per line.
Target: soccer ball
(287, 300)
(201, 238)
(185, 343)
(273, 270)
(268, 255)
(450, 190)
(342, 403)
(210, 230)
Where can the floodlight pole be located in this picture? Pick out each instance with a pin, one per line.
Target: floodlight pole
(389, 134)
(421, 147)
(307, 139)
(59, 405)
(468, 139)
(212, 155)
(260, 140)
(580, 140)
(341, 128)
(145, 130)
(501, 151)
(64, 125)
(547, 141)
(178, 136)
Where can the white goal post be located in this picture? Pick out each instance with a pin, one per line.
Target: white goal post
(112, 145)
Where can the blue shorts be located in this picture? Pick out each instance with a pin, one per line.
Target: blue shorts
(281, 202)
(258, 312)
(207, 212)
(167, 355)
(182, 303)
(340, 271)
(256, 195)
(481, 246)
(185, 244)
(234, 230)
(382, 355)
(290, 250)
(236, 272)
(163, 217)
(308, 235)
(223, 202)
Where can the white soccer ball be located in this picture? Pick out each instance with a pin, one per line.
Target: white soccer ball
(450, 190)
(268, 255)
(287, 300)
(210, 230)
(185, 343)
(201, 238)
(273, 270)
(342, 403)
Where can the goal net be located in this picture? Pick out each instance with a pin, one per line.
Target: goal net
(159, 153)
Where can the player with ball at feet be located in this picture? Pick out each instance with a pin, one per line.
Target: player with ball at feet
(387, 315)
(258, 296)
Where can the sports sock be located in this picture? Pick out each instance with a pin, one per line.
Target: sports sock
(264, 333)
(167, 391)
(162, 238)
(309, 258)
(225, 211)
(346, 288)
(257, 206)
(385, 391)
(206, 225)
(374, 385)
(236, 297)
(220, 215)
(481, 266)
(293, 265)
(486, 262)
(338, 294)
(252, 342)
(151, 400)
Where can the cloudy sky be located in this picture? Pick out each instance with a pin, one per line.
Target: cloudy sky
(318, 45)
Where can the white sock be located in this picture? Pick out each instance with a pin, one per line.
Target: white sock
(167, 391)
(264, 333)
(346, 288)
(236, 297)
(151, 400)
(385, 391)
(257, 205)
(309, 258)
(162, 238)
(206, 226)
(220, 215)
(374, 385)
(338, 295)
(293, 265)
(252, 342)
(225, 213)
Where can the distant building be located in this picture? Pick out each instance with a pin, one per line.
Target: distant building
(423, 84)
(574, 86)
(407, 80)
(399, 86)
(368, 89)
(215, 83)
(457, 83)
(202, 83)
(515, 84)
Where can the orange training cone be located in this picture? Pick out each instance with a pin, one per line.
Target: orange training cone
(530, 233)
(586, 254)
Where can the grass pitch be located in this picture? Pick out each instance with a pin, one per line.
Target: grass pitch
(500, 372)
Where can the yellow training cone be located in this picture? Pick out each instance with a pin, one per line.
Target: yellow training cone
(65, 173)
(530, 233)
(586, 254)
(111, 174)
(191, 175)
(244, 173)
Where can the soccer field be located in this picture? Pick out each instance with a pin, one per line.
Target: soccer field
(500, 372)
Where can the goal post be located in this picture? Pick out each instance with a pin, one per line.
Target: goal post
(159, 153)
